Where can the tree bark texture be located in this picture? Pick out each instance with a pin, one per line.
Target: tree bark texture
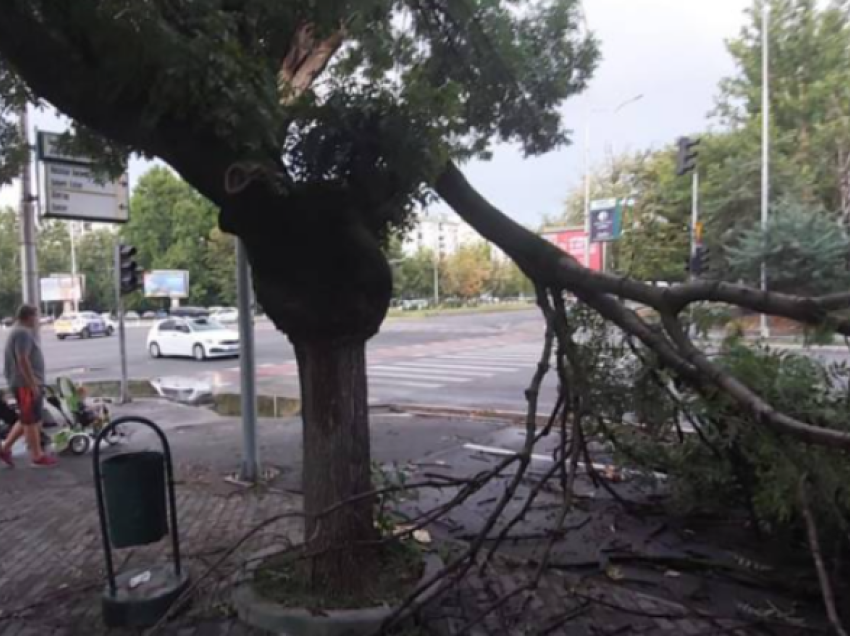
(337, 464)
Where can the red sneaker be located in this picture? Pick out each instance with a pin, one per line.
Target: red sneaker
(45, 461)
(6, 458)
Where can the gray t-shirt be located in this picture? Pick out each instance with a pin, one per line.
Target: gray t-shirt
(22, 342)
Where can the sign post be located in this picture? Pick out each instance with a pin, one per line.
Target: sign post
(250, 469)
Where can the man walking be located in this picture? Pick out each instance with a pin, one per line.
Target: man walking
(24, 370)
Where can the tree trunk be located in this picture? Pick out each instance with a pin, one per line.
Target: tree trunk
(337, 464)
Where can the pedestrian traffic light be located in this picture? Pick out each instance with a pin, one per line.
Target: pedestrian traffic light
(699, 263)
(686, 160)
(129, 272)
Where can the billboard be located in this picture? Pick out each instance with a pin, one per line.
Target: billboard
(61, 288)
(167, 283)
(573, 242)
(606, 220)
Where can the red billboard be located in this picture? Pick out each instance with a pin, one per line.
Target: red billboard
(573, 242)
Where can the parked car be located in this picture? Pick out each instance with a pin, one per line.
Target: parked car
(199, 338)
(414, 304)
(161, 314)
(132, 315)
(149, 315)
(8, 321)
(190, 312)
(84, 324)
(225, 315)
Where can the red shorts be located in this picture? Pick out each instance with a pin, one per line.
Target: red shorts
(30, 405)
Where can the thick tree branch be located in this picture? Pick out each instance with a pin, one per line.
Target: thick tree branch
(305, 61)
(747, 399)
(548, 265)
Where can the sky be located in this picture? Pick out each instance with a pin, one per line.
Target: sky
(672, 52)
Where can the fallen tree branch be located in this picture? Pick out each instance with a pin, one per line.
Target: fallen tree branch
(817, 557)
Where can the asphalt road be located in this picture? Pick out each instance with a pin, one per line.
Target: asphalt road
(480, 361)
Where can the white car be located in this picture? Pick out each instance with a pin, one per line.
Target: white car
(82, 325)
(199, 338)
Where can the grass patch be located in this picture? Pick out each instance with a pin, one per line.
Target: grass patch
(400, 567)
(449, 311)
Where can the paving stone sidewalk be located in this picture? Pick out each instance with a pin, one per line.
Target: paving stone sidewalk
(52, 572)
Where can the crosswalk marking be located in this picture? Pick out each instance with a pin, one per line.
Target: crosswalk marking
(404, 383)
(466, 367)
(440, 369)
(393, 373)
(497, 358)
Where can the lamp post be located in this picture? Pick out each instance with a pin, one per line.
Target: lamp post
(765, 150)
(587, 116)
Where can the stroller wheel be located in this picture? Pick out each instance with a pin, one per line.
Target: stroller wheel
(79, 444)
(116, 436)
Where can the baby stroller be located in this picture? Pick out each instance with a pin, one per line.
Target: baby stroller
(80, 420)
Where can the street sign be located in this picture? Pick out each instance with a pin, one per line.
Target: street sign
(48, 150)
(167, 283)
(606, 220)
(74, 191)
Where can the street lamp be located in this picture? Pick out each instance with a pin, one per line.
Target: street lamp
(587, 115)
(765, 150)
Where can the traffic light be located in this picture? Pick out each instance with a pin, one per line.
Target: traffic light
(129, 272)
(699, 263)
(686, 160)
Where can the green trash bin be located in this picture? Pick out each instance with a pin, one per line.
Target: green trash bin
(135, 494)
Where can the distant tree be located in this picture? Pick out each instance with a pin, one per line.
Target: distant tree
(171, 227)
(508, 281)
(10, 263)
(220, 260)
(810, 98)
(806, 252)
(95, 256)
(414, 275)
(467, 272)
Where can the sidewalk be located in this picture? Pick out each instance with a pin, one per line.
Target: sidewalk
(51, 560)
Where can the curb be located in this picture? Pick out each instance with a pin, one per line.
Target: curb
(433, 410)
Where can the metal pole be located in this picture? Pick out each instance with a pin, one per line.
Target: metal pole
(694, 213)
(587, 189)
(436, 280)
(124, 395)
(250, 469)
(75, 301)
(765, 148)
(29, 256)
(695, 238)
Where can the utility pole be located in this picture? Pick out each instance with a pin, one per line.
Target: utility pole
(250, 469)
(29, 256)
(587, 188)
(124, 393)
(438, 255)
(128, 278)
(765, 148)
(75, 302)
